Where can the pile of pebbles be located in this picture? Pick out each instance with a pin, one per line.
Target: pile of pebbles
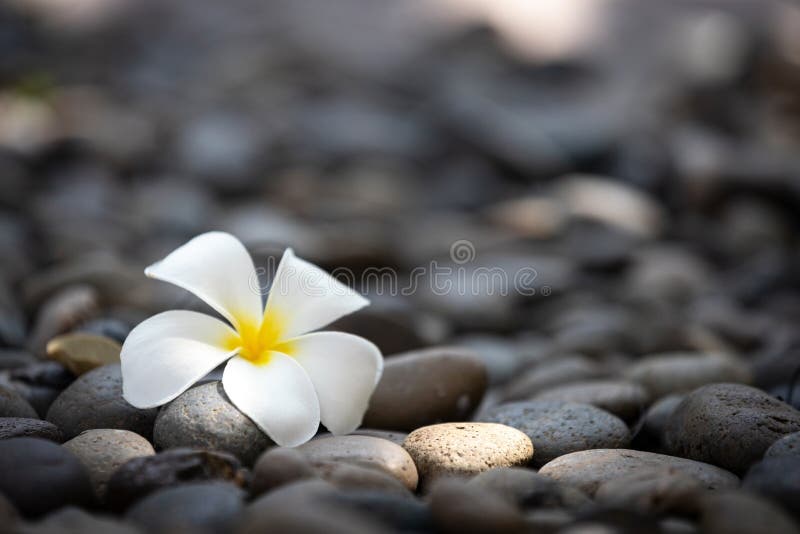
(643, 377)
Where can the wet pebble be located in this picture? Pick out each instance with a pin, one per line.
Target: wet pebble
(624, 399)
(140, 476)
(466, 449)
(95, 400)
(22, 427)
(588, 470)
(424, 387)
(103, 451)
(39, 476)
(557, 428)
(204, 417)
(729, 425)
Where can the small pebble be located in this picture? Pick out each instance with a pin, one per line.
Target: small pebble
(22, 427)
(650, 491)
(457, 507)
(788, 445)
(624, 399)
(528, 489)
(279, 466)
(13, 405)
(81, 352)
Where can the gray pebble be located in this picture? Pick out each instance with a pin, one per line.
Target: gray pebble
(777, 478)
(12, 404)
(624, 399)
(528, 489)
(23, 427)
(786, 446)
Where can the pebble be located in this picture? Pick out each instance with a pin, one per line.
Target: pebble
(60, 312)
(103, 451)
(788, 445)
(279, 466)
(624, 399)
(466, 449)
(562, 370)
(209, 507)
(391, 435)
(40, 383)
(397, 512)
(107, 327)
(729, 425)
(734, 512)
(13, 405)
(777, 478)
(72, 520)
(662, 374)
(81, 352)
(95, 400)
(39, 476)
(528, 489)
(557, 428)
(143, 475)
(649, 491)
(23, 427)
(649, 434)
(354, 477)
(425, 387)
(588, 470)
(204, 417)
(457, 507)
(365, 451)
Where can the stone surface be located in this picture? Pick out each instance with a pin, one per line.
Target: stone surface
(662, 374)
(588, 470)
(458, 507)
(528, 489)
(22, 427)
(204, 417)
(39, 476)
(650, 428)
(742, 513)
(140, 476)
(650, 491)
(366, 451)
(624, 399)
(557, 428)
(95, 400)
(392, 435)
(195, 507)
(40, 383)
(72, 520)
(466, 449)
(729, 425)
(777, 478)
(562, 370)
(103, 451)
(424, 387)
(81, 352)
(13, 405)
(279, 466)
(788, 445)
(359, 478)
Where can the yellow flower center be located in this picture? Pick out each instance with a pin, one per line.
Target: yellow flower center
(255, 342)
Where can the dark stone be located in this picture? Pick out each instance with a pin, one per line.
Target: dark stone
(13, 405)
(23, 427)
(39, 476)
(777, 478)
(786, 446)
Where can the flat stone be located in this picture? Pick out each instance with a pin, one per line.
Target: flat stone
(662, 374)
(557, 428)
(528, 489)
(198, 506)
(204, 417)
(22, 427)
(788, 445)
(39, 476)
(95, 400)
(102, 451)
(460, 507)
(424, 387)
(624, 399)
(12, 404)
(365, 451)
(588, 470)
(729, 425)
(141, 476)
(466, 449)
(81, 352)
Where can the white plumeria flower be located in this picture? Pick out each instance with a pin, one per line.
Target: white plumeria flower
(285, 379)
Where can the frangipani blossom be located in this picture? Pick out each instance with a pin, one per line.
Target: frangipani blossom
(284, 378)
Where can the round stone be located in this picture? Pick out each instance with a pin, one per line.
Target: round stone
(588, 470)
(22, 427)
(104, 450)
(650, 429)
(204, 417)
(39, 476)
(460, 507)
(466, 449)
(199, 506)
(729, 425)
(777, 478)
(143, 475)
(12, 404)
(359, 478)
(557, 428)
(656, 490)
(81, 352)
(365, 451)
(624, 399)
(662, 374)
(279, 466)
(424, 387)
(788, 445)
(95, 400)
(528, 489)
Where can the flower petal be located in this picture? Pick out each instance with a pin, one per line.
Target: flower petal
(345, 370)
(216, 267)
(278, 396)
(169, 352)
(304, 297)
